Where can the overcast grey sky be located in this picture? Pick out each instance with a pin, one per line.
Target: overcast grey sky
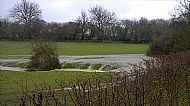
(68, 10)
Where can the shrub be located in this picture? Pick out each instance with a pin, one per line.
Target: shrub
(160, 47)
(167, 46)
(43, 56)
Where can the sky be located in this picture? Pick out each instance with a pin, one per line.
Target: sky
(69, 10)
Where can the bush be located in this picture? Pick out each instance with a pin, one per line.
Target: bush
(167, 46)
(160, 47)
(175, 39)
(43, 56)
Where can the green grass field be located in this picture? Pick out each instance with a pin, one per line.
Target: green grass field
(75, 48)
(10, 80)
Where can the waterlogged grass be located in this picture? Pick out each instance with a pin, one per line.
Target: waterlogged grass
(71, 65)
(75, 48)
(14, 64)
(96, 66)
(12, 82)
(85, 66)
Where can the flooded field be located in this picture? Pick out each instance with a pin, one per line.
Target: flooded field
(12, 62)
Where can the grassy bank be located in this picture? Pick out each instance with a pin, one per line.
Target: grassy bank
(75, 48)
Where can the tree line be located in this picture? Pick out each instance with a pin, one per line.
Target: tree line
(99, 24)
(25, 22)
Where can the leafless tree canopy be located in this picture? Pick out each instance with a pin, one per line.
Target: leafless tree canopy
(182, 11)
(101, 17)
(25, 12)
(83, 21)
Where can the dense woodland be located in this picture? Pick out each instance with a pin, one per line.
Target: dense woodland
(25, 22)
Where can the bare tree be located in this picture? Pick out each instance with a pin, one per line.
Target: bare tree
(182, 11)
(101, 18)
(26, 13)
(83, 21)
(181, 25)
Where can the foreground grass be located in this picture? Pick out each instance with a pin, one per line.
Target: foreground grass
(12, 82)
(9, 79)
(75, 48)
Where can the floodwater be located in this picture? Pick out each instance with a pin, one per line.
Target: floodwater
(122, 60)
(119, 60)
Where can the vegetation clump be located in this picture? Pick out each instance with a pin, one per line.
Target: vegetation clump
(176, 36)
(43, 57)
(160, 47)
